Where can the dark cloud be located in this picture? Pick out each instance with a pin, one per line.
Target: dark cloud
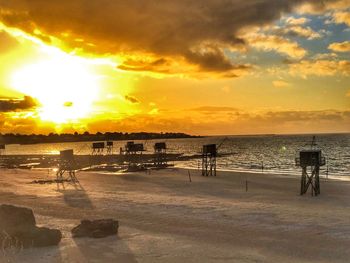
(164, 28)
(160, 65)
(132, 99)
(212, 60)
(10, 105)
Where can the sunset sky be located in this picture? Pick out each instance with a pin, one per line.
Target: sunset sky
(201, 67)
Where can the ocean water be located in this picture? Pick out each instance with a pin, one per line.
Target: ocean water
(276, 153)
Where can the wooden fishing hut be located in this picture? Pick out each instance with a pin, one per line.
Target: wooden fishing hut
(160, 159)
(109, 146)
(97, 148)
(209, 154)
(310, 161)
(67, 165)
(2, 149)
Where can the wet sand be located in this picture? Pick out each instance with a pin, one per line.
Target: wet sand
(165, 218)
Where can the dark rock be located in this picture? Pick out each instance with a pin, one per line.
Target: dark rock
(14, 217)
(38, 237)
(17, 228)
(33, 237)
(96, 228)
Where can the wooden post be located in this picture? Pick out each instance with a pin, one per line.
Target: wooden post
(303, 181)
(317, 180)
(214, 166)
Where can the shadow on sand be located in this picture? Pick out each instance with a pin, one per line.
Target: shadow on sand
(108, 250)
(31, 255)
(74, 195)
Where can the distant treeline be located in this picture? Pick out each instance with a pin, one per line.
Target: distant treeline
(86, 136)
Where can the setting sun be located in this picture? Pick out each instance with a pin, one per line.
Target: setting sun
(64, 85)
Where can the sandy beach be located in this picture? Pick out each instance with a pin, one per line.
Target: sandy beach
(165, 218)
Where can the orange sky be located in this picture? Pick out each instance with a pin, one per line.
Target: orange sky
(200, 67)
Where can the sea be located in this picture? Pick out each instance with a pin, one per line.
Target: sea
(254, 153)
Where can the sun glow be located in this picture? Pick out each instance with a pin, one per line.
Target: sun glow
(65, 86)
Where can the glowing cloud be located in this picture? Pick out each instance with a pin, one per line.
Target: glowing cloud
(340, 47)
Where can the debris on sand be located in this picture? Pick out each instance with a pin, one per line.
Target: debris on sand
(96, 228)
(55, 181)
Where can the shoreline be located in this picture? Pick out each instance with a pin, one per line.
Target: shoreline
(345, 177)
(50, 161)
(292, 174)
